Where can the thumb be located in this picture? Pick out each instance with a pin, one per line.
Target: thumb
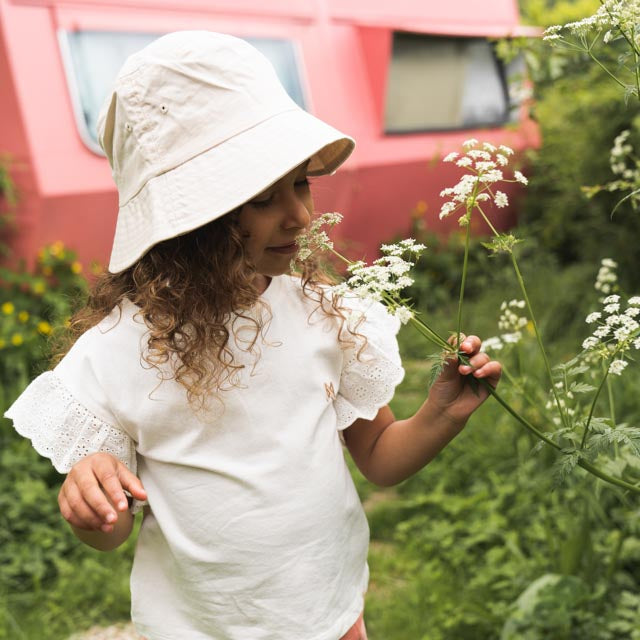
(450, 360)
(131, 482)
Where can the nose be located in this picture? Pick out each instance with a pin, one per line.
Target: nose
(297, 214)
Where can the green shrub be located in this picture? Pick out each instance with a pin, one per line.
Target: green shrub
(50, 583)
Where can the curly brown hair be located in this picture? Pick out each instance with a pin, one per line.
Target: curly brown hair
(191, 291)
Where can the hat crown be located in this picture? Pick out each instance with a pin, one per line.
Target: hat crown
(180, 96)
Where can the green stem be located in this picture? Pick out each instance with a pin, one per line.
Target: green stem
(532, 316)
(438, 340)
(465, 265)
(430, 334)
(612, 406)
(592, 409)
(605, 377)
(615, 78)
(587, 466)
(536, 329)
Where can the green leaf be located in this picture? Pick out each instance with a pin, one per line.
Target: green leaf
(581, 387)
(434, 373)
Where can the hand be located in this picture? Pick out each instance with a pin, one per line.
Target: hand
(451, 394)
(92, 493)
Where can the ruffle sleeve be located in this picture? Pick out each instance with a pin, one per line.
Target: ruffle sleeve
(64, 430)
(369, 378)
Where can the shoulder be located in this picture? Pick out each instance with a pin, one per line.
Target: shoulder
(123, 327)
(115, 343)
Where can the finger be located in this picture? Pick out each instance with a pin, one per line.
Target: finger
(76, 510)
(470, 345)
(131, 482)
(490, 371)
(475, 363)
(109, 479)
(91, 488)
(453, 339)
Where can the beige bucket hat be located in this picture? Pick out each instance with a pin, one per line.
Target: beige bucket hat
(198, 124)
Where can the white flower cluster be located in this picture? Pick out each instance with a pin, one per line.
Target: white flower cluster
(626, 167)
(484, 164)
(557, 400)
(607, 279)
(612, 17)
(619, 154)
(315, 238)
(383, 280)
(510, 323)
(617, 331)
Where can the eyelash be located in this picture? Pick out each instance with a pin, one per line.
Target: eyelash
(263, 204)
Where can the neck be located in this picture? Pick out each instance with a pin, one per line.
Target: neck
(262, 282)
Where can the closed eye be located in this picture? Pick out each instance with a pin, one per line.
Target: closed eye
(263, 204)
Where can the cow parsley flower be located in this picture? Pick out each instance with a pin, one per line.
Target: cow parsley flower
(482, 162)
(606, 280)
(315, 238)
(617, 367)
(511, 325)
(404, 314)
(501, 199)
(520, 178)
(387, 276)
(590, 343)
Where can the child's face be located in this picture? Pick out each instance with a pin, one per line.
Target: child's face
(273, 219)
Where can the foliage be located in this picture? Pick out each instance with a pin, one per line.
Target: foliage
(580, 112)
(463, 550)
(46, 575)
(32, 305)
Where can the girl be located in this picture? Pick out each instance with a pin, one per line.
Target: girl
(214, 388)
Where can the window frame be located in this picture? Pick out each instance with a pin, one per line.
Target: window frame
(64, 45)
(511, 107)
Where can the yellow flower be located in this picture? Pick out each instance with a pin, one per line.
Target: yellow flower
(17, 339)
(8, 308)
(76, 267)
(57, 249)
(421, 207)
(44, 327)
(23, 316)
(38, 287)
(47, 270)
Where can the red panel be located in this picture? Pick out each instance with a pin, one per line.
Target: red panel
(68, 191)
(283, 8)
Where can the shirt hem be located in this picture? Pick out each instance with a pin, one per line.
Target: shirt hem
(349, 618)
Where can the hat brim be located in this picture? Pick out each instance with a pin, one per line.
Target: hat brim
(222, 178)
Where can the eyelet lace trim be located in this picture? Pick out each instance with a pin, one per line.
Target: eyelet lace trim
(62, 429)
(368, 383)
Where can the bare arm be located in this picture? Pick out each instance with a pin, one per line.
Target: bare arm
(93, 501)
(388, 451)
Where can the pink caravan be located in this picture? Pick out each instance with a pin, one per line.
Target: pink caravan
(410, 80)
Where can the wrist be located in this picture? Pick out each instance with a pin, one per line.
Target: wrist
(436, 417)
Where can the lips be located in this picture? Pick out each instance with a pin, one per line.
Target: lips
(292, 247)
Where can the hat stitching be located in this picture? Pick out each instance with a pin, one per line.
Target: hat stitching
(252, 126)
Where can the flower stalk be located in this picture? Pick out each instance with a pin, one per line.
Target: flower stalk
(384, 280)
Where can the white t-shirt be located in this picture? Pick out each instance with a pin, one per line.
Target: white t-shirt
(254, 529)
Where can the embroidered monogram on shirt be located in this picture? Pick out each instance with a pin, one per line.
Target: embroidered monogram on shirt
(330, 391)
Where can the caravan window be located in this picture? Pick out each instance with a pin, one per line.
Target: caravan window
(444, 83)
(93, 58)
